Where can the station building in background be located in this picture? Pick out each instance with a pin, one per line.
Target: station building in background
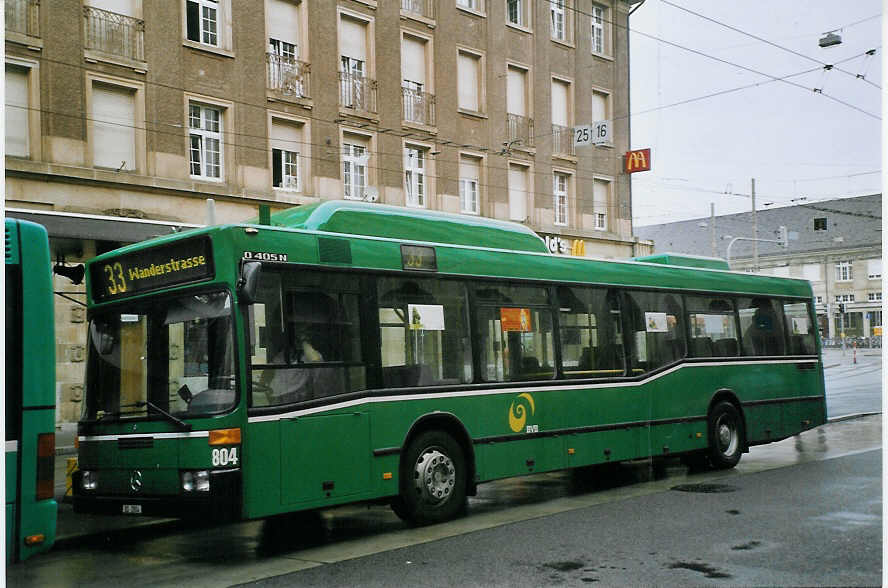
(835, 244)
(121, 123)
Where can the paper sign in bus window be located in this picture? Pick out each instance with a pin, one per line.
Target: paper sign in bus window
(426, 317)
(655, 322)
(516, 319)
(799, 325)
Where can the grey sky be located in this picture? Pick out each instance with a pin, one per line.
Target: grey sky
(793, 141)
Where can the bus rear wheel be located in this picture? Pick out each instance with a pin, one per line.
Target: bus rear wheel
(433, 479)
(726, 436)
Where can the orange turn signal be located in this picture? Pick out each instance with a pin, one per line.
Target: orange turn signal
(225, 436)
(35, 539)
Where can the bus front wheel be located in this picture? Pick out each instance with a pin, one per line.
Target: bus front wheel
(433, 479)
(725, 436)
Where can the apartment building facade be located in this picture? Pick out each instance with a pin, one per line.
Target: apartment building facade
(834, 244)
(123, 117)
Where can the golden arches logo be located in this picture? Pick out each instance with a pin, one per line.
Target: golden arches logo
(518, 411)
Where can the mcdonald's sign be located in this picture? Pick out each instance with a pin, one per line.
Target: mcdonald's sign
(638, 160)
(578, 248)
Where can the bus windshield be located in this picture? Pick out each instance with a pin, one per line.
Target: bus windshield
(158, 357)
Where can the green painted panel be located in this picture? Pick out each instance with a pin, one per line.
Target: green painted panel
(324, 457)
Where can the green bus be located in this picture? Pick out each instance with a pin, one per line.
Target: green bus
(30, 392)
(345, 351)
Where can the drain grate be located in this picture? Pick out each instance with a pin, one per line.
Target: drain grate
(704, 488)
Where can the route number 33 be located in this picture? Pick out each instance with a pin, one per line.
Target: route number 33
(225, 456)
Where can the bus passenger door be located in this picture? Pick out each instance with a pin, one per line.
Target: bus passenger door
(324, 458)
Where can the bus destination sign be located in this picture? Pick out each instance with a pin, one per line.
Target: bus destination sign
(418, 257)
(158, 267)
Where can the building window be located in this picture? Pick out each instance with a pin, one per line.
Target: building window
(874, 296)
(474, 5)
(876, 318)
(600, 198)
(874, 269)
(819, 299)
(559, 196)
(17, 112)
(113, 127)
(204, 21)
(419, 103)
(844, 271)
(557, 15)
(469, 79)
(517, 106)
(562, 118)
(598, 39)
(415, 175)
(519, 186)
(356, 89)
(205, 135)
(354, 167)
(286, 145)
(516, 13)
(820, 224)
(284, 25)
(844, 297)
(469, 184)
(600, 105)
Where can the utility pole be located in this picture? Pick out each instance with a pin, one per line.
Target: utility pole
(712, 228)
(755, 233)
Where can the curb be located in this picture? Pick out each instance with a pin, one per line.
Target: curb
(850, 417)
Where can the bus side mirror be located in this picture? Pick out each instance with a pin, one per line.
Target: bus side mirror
(248, 283)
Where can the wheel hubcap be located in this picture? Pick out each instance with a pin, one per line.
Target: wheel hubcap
(435, 476)
(727, 438)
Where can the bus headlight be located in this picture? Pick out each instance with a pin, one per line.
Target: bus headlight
(196, 481)
(88, 480)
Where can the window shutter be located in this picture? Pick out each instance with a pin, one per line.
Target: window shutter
(559, 103)
(283, 21)
(413, 65)
(114, 136)
(353, 39)
(467, 69)
(17, 112)
(599, 106)
(517, 193)
(516, 96)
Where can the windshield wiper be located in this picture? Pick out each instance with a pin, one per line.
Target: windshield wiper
(178, 422)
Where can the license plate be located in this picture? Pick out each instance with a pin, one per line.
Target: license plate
(132, 509)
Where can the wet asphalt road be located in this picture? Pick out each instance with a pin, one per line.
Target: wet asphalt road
(818, 523)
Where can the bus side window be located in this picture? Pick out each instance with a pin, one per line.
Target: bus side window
(761, 326)
(591, 346)
(423, 332)
(800, 328)
(657, 326)
(713, 327)
(516, 333)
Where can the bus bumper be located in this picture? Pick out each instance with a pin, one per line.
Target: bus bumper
(221, 502)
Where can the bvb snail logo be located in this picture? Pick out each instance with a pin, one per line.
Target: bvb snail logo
(518, 411)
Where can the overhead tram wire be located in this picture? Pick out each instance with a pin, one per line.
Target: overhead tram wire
(767, 42)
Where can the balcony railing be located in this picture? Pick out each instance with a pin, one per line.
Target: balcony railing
(114, 34)
(423, 8)
(288, 76)
(520, 130)
(23, 17)
(357, 92)
(419, 107)
(562, 141)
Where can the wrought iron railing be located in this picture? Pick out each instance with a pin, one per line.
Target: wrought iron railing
(288, 76)
(419, 107)
(424, 8)
(357, 92)
(520, 130)
(114, 34)
(562, 141)
(23, 17)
